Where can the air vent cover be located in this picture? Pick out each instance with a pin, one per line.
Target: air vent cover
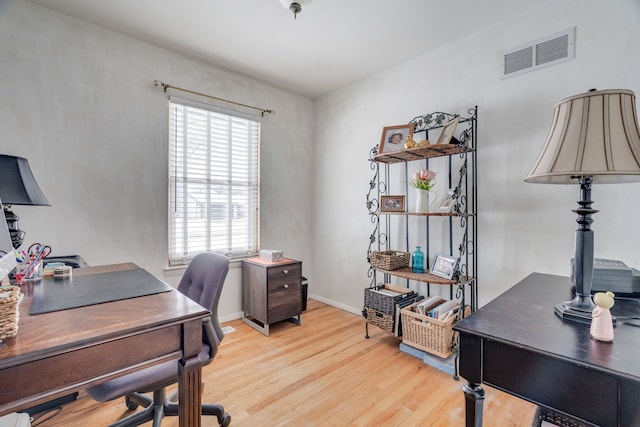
(542, 53)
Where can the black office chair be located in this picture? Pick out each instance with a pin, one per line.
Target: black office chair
(202, 282)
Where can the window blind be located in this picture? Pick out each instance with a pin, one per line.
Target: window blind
(213, 183)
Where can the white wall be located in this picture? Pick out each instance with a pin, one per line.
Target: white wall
(79, 102)
(522, 227)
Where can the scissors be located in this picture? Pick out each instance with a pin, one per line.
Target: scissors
(37, 247)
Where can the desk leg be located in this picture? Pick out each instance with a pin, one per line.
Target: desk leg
(473, 400)
(190, 376)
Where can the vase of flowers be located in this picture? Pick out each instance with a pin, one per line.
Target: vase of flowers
(423, 182)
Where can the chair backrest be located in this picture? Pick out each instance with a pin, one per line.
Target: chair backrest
(202, 282)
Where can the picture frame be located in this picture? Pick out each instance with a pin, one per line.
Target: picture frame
(392, 203)
(444, 266)
(393, 138)
(447, 201)
(447, 131)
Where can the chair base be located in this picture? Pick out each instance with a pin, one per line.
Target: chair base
(160, 407)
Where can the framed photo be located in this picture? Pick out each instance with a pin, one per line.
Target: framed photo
(393, 138)
(448, 201)
(444, 266)
(447, 131)
(392, 203)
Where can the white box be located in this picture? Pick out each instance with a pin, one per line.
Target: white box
(271, 255)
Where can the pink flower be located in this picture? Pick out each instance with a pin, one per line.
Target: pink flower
(424, 179)
(426, 175)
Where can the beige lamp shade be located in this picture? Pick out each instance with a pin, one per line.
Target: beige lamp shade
(593, 134)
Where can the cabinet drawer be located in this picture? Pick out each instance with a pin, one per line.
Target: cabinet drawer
(284, 300)
(284, 271)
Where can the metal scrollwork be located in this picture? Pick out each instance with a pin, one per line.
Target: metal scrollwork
(431, 120)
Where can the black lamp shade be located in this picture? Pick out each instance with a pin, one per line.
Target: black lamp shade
(17, 184)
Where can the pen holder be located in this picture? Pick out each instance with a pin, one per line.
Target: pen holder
(29, 271)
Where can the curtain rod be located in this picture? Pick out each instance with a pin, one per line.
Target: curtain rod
(166, 86)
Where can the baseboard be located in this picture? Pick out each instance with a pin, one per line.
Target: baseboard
(354, 310)
(336, 304)
(230, 317)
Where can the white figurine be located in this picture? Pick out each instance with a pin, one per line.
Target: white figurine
(601, 323)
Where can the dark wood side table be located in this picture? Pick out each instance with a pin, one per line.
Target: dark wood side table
(517, 344)
(271, 292)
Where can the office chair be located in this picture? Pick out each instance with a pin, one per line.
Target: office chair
(202, 282)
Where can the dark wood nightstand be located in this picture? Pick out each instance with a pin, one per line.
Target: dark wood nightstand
(271, 292)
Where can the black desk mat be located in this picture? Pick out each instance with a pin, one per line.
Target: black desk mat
(79, 291)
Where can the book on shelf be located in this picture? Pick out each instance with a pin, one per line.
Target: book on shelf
(429, 303)
(397, 325)
(441, 310)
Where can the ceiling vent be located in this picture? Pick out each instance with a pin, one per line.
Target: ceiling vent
(542, 53)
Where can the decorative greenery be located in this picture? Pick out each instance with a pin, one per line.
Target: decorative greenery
(424, 180)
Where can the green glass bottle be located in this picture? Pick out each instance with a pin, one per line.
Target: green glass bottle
(417, 261)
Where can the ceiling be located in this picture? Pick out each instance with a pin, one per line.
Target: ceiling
(331, 44)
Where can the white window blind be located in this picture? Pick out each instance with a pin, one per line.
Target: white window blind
(213, 183)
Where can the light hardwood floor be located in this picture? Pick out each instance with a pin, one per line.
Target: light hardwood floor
(323, 373)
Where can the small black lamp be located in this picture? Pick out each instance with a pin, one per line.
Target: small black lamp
(594, 139)
(18, 187)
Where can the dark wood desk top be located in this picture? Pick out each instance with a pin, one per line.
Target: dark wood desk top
(52, 333)
(523, 316)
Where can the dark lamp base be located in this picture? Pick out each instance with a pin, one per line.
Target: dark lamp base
(569, 310)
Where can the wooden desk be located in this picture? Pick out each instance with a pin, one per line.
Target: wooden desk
(517, 344)
(64, 351)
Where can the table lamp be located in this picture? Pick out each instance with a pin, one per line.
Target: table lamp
(594, 139)
(18, 187)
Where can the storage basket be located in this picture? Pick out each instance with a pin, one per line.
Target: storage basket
(10, 297)
(385, 303)
(427, 333)
(389, 260)
(383, 321)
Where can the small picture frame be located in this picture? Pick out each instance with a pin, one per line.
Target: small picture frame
(392, 203)
(447, 201)
(393, 138)
(447, 131)
(444, 266)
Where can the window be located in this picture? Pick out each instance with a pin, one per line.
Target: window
(213, 182)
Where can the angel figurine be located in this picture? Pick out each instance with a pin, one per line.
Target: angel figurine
(601, 322)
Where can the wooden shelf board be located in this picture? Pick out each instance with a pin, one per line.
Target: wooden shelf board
(419, 153)
(406, 273)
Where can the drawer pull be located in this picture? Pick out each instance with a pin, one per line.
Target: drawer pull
(286, 286)
(285, 271)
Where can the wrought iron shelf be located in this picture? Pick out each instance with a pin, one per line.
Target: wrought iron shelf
(428, 213)
(406, 273)
(454, 233)
(420, 153)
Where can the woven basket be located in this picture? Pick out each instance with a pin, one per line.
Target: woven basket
(9, 305)
(385, 303)
(383, 321)
(427, 333)
(389, 260)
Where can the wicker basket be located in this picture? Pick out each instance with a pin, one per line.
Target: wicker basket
(389, 260)
(427, 333)
(383, 321)
(10, 297)
(385, 303)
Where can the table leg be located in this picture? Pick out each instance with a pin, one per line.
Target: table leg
(474, 399)
(189, 399)
(190, 376)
